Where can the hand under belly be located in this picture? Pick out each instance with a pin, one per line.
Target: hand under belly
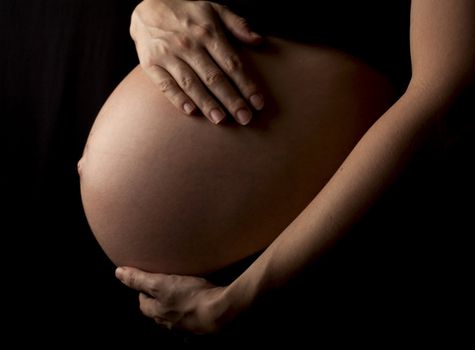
(171, 193)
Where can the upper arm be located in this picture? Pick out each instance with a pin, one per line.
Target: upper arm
(442, 44)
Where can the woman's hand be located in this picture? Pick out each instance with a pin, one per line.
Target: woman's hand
(182, 46)
(180, 302)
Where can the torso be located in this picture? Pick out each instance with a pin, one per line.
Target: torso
(170, 193)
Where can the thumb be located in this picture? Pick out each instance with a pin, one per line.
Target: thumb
(237, 25)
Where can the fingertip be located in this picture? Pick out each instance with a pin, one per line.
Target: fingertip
(119, 272)
(257, 101)
(256, 37)
(243, 116)
(216, 115)
(240, 28)
(250, 37)
(189, 108)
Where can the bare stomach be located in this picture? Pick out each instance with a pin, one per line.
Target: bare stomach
(171, 193)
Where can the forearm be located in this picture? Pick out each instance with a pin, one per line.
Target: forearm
(373, 164)
(442, 53)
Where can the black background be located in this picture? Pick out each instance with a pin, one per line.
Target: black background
(405, 273)
(60, 60)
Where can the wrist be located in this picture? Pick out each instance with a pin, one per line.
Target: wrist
(229, 304)
(240, 294)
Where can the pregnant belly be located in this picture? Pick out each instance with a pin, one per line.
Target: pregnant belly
(171, 193)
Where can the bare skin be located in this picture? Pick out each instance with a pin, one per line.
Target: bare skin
(183, 47)
(437, 28)
(170, 193)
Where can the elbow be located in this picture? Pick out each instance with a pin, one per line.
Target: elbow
(444, 81)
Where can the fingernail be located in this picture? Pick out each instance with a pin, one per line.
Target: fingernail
(216, 115)
(119, 272)
(257, 101)
(255, 35)
(188, 108)
(243, 116)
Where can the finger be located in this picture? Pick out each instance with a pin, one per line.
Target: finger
(237, 25)
(226, 57)
(220, 86)
(169, 87)
(162, 322)
(229, 61)
(192, 85)
(139, 280)
(152, 307)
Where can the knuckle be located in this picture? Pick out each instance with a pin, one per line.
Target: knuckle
(187, 82)
(232, 63)
(213, 77)
(197, 60)
(183, 42)
(155, 288)
(204, 31)
(163, 51)
(132, 280)
(166, 85)
(146, 61)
